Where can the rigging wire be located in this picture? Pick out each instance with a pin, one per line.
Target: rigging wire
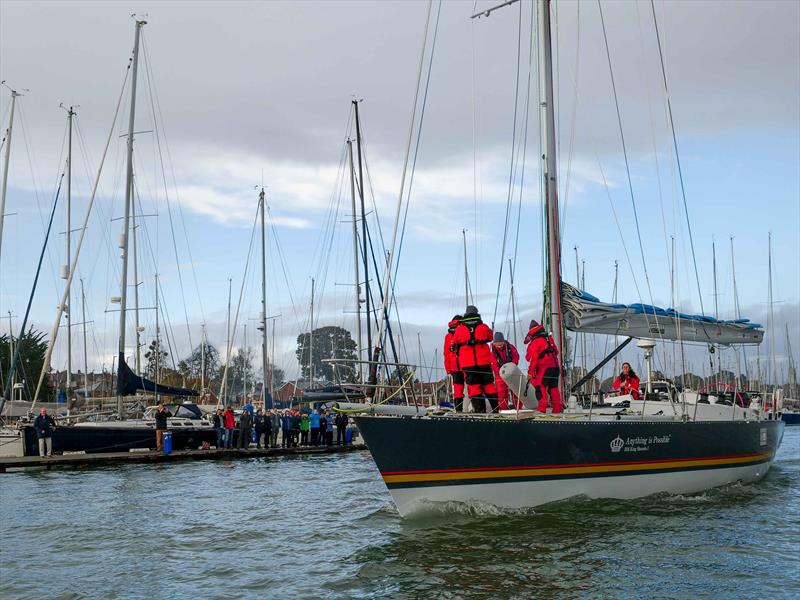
(627, 165)
(677, 157)
(171, 163)
(150, 87)
(511, 169)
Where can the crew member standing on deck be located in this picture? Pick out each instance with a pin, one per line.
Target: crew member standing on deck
(544, 369)
(503, 352)
(451, 367)
(472, 337)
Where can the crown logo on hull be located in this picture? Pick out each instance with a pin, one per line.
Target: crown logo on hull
(616, 444)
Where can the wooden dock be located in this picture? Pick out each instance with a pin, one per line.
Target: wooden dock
(76, 460)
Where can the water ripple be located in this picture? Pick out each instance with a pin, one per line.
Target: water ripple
(324, 527)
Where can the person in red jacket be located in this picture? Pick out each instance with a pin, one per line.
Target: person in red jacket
(451, 367)
(627, 382)
(472, 337)
(503, 352)
(544, 368)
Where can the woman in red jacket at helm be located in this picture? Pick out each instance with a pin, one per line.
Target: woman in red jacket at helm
(451, 366)
(544, 368)
(627, 382)
(472, 337)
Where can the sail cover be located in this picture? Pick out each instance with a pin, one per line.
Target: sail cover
(128, 383)
(586, 313)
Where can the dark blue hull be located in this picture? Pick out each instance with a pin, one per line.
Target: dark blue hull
(791, 418)
(529, 462)
(115, 439)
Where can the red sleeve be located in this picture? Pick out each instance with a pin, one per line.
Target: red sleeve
(616, 383)
(446, 353)
(633, 384)
(461, 335)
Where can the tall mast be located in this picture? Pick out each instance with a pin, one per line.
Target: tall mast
(227, 348)
(771, 315)
(263, 324)
(9, 131)
(466, 272)
(364, 238)
(138, 354)
(553, 313)
(244, 367)
(203, 361)
(68, 235)
(355, 258)
(123, 304)
(156, 375)
(85, 352)
(513, 303)
(311, 341)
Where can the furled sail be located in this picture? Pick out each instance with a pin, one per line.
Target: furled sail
(586, 313)
(128, 383)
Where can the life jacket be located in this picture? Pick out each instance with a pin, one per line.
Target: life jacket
(472, 337)
(450, 351)
(506, 354)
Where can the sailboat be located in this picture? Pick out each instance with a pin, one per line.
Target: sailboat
(526, 458)
(190, 429)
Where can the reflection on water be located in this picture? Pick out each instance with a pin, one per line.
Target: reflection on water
(324, 526)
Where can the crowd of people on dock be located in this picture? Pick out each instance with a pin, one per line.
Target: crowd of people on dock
(296, 428)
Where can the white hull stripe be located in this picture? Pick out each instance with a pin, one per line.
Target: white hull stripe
(525, 494)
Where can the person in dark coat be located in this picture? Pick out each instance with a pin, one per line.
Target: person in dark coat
(258, 423)
(219, 426)
(341, 428)
(245, 429)
(275, 423)
(267, 428)
(44, 425)
(295, 429)
(161, 416)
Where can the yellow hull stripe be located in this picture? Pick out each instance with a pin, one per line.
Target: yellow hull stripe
(581, 470)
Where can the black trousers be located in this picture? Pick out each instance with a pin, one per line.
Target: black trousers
(340, 435)
(314, 436)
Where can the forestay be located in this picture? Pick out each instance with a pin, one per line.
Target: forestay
(586, 313)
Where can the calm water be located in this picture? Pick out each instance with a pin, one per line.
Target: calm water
(325, 527)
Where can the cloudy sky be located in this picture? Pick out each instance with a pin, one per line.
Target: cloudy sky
(237, 94)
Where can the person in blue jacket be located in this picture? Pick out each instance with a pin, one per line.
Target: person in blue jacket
(315, 427)
(286, 429)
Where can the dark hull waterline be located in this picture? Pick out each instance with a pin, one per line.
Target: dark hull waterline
(523, 463)
(791, 418)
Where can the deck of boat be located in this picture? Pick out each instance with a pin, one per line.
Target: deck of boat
(77, 460)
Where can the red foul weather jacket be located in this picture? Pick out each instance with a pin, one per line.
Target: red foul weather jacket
(542, 353)
(450, 351)
(505, 354)
(472, 337)
(628, 386)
